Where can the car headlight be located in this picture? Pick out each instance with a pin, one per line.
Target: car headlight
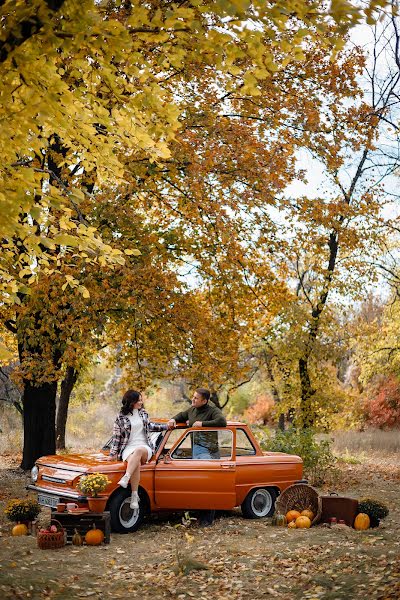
(34, 474)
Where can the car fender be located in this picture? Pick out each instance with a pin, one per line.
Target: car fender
(244, 490)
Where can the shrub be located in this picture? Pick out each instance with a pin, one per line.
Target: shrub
(383, 408)
(317, 456)
(260, 411)
(22, 510)
(374, 509)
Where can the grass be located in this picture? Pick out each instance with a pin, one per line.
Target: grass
(351, 459)
(359, 443)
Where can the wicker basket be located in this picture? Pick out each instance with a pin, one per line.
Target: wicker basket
(300, 496)
(50, 540)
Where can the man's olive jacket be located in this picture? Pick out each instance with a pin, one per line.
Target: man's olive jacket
(208, 414)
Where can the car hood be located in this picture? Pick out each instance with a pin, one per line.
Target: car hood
(80, 463)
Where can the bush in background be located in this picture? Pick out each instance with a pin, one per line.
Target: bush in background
(382, 409)
(261, 411)
(317, 456)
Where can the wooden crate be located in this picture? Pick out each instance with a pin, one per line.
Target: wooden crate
(83, 522)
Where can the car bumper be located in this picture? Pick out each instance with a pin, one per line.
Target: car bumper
(57, 493)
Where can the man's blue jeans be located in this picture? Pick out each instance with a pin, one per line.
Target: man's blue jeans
(200, 452)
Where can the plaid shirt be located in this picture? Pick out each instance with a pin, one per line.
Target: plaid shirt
(122, 432)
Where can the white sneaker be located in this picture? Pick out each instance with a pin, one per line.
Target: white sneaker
(123, 482)
(134, 501)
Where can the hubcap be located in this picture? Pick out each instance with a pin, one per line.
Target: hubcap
(261, 503)
(127, 516)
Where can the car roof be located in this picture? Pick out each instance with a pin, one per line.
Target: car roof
(228, 423)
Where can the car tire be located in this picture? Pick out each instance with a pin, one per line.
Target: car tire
(259, 503)
(123, 518)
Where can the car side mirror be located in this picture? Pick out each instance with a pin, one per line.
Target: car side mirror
(167, 459)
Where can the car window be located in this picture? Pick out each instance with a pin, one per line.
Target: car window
(156, 437)
(205, 445)
(244, 447)
(173, 437)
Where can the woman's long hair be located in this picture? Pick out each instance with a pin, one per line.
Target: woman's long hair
(130, 397)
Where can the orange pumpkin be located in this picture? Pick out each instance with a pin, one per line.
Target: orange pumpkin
(292, 525)
(307, 513)
(94, 537)
(292, 515)
(19, 529)
(361, 522)
(303, 522)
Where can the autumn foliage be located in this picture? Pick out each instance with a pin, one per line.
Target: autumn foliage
(383, 406)
(261, 411)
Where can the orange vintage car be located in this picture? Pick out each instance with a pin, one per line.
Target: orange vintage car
(233, 471)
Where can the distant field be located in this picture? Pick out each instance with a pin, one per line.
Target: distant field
(370, 440)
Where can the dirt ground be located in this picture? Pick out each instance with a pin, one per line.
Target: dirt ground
(233, 559)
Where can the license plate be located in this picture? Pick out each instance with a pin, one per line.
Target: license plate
(45, 500)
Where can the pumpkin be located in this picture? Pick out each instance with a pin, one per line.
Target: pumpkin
(94, 537)
(20, 529)
(303, 522)
(361, 522)
(279, 520)
(77, 539)
(292, 525)
(307, 513)
(292, 515)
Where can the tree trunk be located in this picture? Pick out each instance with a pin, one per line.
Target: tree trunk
(67, 385)
(307, 416)
(39, 404)
(281, 422)
(275, 392)
(215, 399)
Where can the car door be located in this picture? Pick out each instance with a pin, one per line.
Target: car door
(198, 472)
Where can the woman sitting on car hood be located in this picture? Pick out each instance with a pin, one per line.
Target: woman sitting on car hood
(131, 440)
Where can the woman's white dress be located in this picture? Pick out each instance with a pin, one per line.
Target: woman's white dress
(137, 439)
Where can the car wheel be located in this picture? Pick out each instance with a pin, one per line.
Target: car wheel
(123, 518)
(259, 503)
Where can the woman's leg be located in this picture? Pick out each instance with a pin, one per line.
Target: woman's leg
(137, 458)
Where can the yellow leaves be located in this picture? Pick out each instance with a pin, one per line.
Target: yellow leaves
(24, 272)
(132, 252)
(6, 354)
(189, 538)
(65, 223)
(250, 85)
(64, 239)
(139, 17)
(70, 281)
(72, 86)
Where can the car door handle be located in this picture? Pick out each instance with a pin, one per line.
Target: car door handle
(227, 465)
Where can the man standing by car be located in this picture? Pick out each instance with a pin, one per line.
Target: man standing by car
(201, 414)
(205, 444)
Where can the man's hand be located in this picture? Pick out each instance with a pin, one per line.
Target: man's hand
(197, 424)
(171, 423)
